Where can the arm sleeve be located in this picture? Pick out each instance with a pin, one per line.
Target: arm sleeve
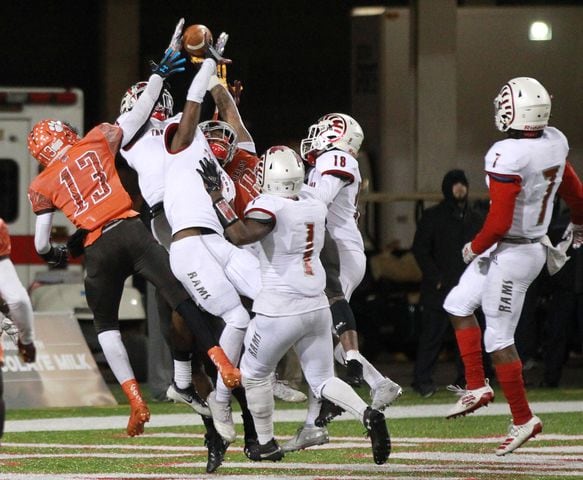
(42, 233)
(133, 121)
(571, 190)
(503, 192)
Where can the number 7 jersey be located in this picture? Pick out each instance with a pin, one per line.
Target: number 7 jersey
(539, 165)
(84, 183)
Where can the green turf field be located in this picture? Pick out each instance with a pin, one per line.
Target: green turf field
(423, 446)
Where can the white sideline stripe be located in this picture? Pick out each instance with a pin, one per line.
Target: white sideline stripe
(295, 415)
(124, 476)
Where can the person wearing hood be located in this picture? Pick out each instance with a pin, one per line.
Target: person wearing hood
(441, 233)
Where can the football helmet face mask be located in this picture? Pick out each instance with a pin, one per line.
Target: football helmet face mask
(522, 104)
(163, 108)
(49, 139)
(333, 131)
(280, 172)
(221, 138)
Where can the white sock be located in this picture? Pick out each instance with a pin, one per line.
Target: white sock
(371, 375)
(182, 373)
(314, 405)
(116, 355)
(344, 396)
(232, 342)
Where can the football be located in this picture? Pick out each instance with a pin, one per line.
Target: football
(195, 39)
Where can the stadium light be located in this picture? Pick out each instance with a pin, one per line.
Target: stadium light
(540, 31)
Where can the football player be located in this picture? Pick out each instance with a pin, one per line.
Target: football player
(291, 308)
(146, 155)
(79, 178)
(330, 150)
(213, 270)
(524, 172)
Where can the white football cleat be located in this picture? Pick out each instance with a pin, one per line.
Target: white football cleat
(306, 437)
(470, 400)
(222, 417)
(519, 434)
(385, 394)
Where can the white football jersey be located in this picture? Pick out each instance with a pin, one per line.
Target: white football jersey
(146, 157)
(292, 276)
(186, 201)
(540, 164)
(342, 209)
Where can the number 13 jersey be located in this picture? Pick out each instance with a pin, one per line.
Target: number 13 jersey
(84, 183)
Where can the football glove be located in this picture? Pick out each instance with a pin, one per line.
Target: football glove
(577, 236)
(210, 175)
(171, 63)
(56, 257)
(27, 352)
(7, 326)
(176, 40)
(467, 253)
(75, 244)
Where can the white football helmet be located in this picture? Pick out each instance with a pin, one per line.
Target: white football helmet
(522, 104)
(162, 109)
(332, 131)
(221, 138)
(280, 172)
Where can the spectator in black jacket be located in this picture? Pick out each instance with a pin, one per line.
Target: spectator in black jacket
(441, 234)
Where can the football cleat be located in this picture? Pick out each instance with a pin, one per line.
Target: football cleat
(139, 415)
(216, 451)
(376, 427)
(222, 417)
(306, 437)
(283, 391)
(270, 451)
(470, 400)
(519, 434)
(328, 412)
(190, 397)
(354, 376)
(385, 394)
(250, 444)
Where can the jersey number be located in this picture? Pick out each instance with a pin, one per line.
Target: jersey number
(550, 174)
(97, 173)
(339, 161)
(309, 250)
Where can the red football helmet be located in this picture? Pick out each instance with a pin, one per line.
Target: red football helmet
(48, 140)
(221, 138)
(162, 109)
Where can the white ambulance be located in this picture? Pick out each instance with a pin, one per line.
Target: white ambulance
(50, 291)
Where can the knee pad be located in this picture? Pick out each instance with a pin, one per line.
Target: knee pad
(259, 393)
(342, 316)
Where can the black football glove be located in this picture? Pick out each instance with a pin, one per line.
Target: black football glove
(75, 244)
(27, 352)
(172, 62)
(210, 175)
(56, 257)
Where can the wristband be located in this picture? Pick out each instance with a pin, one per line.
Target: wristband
(200, 81)
(225, 212)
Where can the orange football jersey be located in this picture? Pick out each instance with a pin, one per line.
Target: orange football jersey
(84, 183)
(4, 239)
(243, 171)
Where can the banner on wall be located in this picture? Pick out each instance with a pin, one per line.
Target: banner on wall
(65, 373)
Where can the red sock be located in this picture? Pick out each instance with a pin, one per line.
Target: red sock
(510, 379)
(469, 341)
